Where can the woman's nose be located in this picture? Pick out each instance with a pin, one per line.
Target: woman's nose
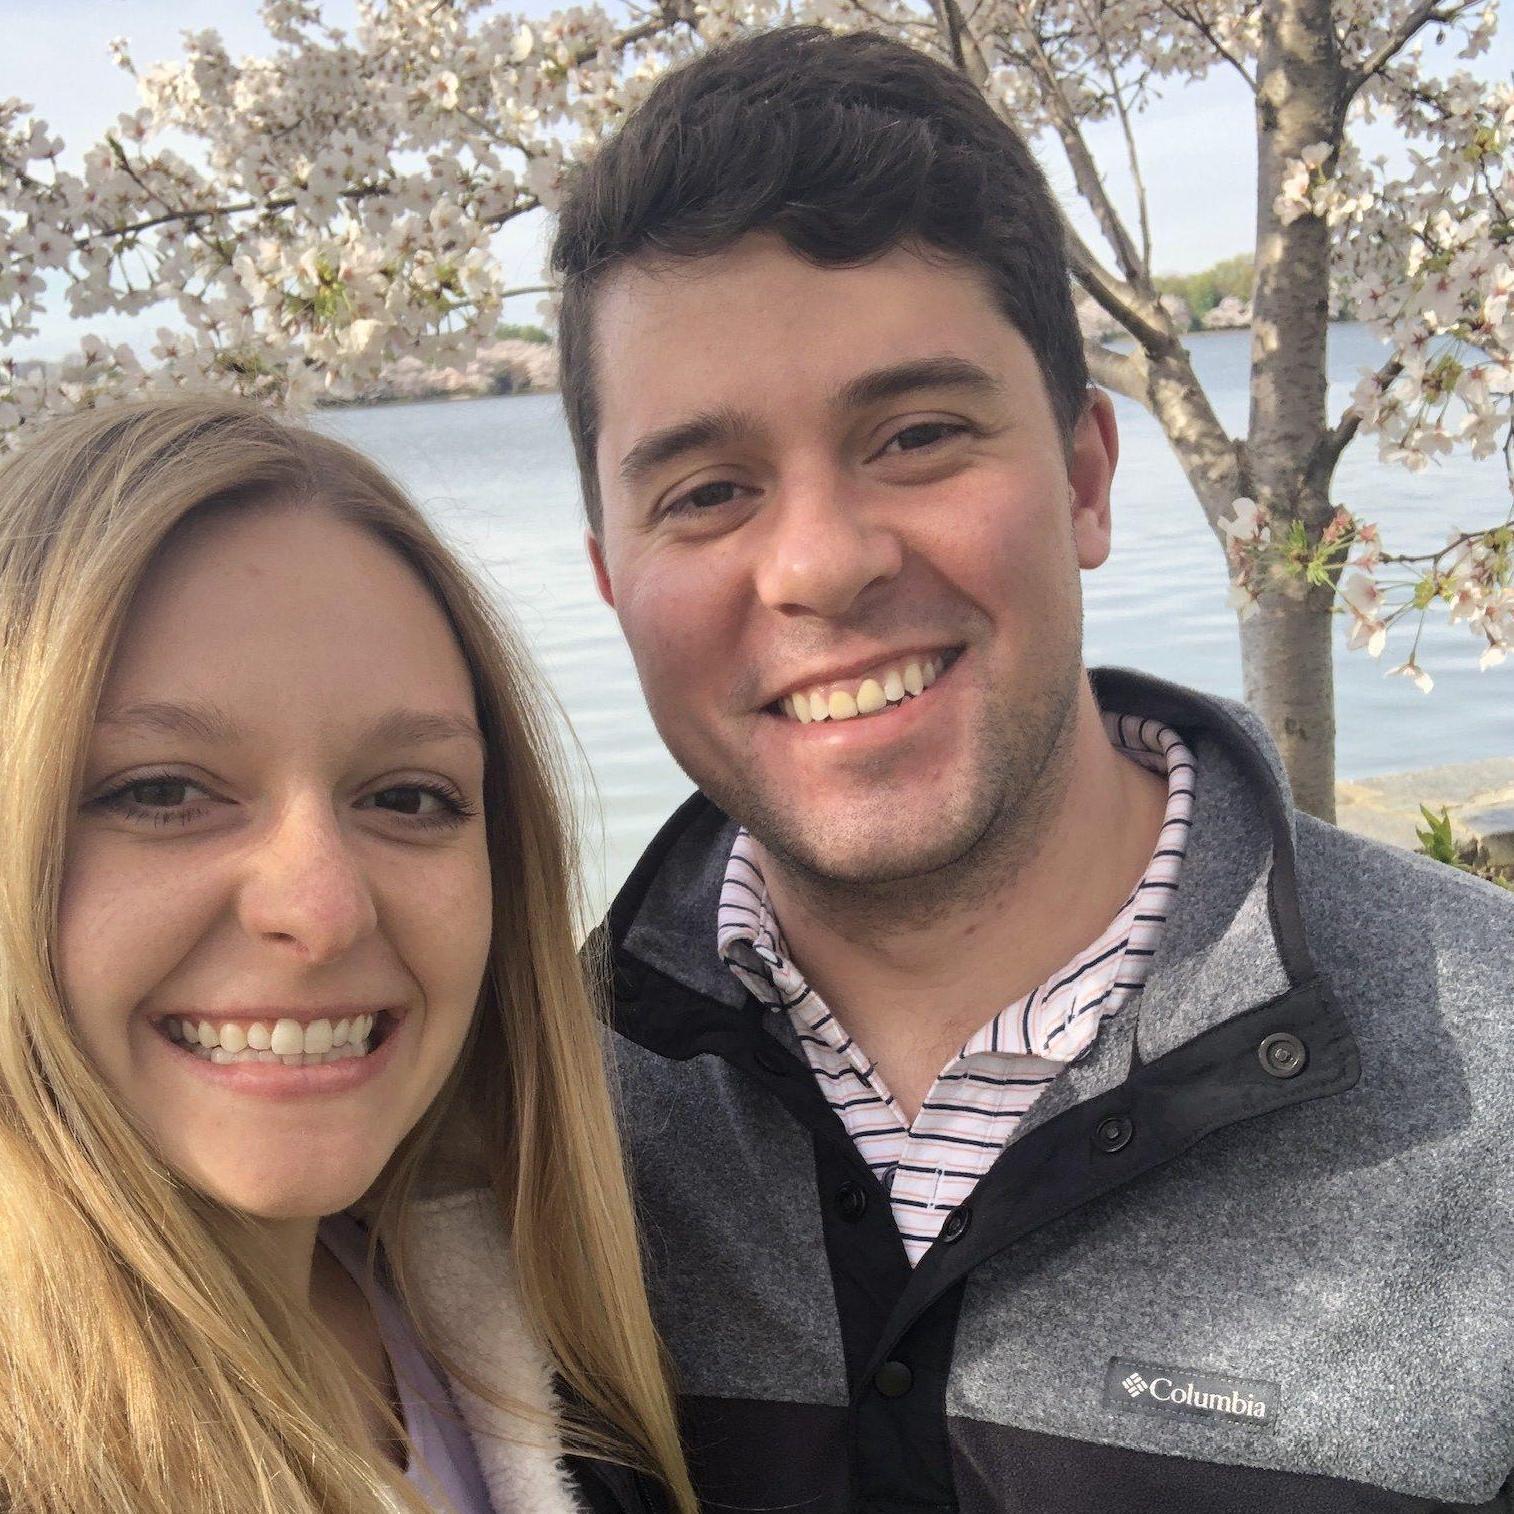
(306, 888)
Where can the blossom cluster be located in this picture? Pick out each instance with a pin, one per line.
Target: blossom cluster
(340, 211)
(1472, 575)
(1426, 258)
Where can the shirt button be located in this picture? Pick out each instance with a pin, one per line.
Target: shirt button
(1113, 1132)
(894, 1380)
(1283, 1055)
(851, 1201)
(955, 1225)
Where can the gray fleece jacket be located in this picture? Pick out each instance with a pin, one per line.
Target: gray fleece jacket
(1254, 1252)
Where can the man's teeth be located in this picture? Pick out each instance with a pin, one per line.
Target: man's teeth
(873, 694)
(286, 1041)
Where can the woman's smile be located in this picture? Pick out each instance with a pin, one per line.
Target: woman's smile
(258, 1057)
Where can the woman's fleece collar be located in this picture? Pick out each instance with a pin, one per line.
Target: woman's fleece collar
(462, 1272)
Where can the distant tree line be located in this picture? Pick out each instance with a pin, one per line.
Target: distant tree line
(1203, 291)
(505, 332)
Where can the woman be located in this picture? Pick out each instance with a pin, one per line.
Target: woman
(305, 1143)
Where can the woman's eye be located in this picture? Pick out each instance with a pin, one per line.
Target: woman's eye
(159, 793)
(922, 434)
(159, 799)
(428, 804)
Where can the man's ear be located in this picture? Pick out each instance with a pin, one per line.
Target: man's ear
(601, 573)
(1090, 472)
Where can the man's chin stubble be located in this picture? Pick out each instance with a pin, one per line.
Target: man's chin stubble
(934, 868)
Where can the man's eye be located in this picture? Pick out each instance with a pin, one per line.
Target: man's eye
(922, 434)
(704, 497)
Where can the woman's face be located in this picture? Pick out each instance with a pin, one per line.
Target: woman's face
(276, 903)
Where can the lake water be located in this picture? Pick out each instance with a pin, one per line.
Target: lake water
(497, 476)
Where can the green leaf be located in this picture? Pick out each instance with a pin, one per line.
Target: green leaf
(1436, 840)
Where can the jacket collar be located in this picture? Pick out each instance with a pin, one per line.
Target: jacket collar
(1234, 937)
(1233, 980)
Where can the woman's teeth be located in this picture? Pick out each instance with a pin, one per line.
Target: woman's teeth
(286, 1041)
(879, 690)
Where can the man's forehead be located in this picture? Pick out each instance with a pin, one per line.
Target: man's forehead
(757, 326)
(666, 296)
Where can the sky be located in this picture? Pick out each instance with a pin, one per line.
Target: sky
(1197, 143)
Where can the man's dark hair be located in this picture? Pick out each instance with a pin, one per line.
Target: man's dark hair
(844, 146)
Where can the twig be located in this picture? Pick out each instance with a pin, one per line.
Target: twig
(1401, 35)
(1085, 170)
(1327, 451)
(1130, 143)
(1206, 31)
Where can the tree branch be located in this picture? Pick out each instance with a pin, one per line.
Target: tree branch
(1327, 451)
(1206, 31)
(1125, 373)
(1130, 143)
(1085, 171)
(1404, 33)
(962, 45)
(1140, 314)
(279, 202)
(670, 14)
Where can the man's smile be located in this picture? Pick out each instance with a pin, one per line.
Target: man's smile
(873, 691)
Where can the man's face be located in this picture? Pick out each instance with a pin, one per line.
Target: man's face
(841, 493)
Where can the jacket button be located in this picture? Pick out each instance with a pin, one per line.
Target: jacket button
(894, 1380)
(1113, 1132)
(1283, 1055)
(851, 1201)
(955, 1225)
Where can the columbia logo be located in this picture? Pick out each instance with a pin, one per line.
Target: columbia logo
(1138, 1387)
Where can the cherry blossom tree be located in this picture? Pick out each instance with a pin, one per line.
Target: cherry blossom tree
(309, 214)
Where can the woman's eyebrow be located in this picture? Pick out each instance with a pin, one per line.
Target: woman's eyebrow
(197, 719)
(419, 728)
(203, 721)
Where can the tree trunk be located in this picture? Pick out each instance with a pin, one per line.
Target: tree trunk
(1286, 651)
(1285, 648)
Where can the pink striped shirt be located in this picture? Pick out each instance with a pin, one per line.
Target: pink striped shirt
(975, 1106)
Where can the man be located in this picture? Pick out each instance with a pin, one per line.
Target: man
(1030, 1110)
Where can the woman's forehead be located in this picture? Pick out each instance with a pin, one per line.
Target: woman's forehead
(282, 614)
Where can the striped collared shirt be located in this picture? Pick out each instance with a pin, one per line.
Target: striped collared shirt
(974, 1109)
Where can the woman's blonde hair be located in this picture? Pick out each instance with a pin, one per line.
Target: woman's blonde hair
(147, 1363)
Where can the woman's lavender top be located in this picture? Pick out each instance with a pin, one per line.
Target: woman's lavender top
(439, 1441)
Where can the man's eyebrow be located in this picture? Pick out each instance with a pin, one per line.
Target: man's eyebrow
(921, 373)
(710, 428)
(200, 720)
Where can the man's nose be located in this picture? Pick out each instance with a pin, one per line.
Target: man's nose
(823, 549)
(305, 889)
